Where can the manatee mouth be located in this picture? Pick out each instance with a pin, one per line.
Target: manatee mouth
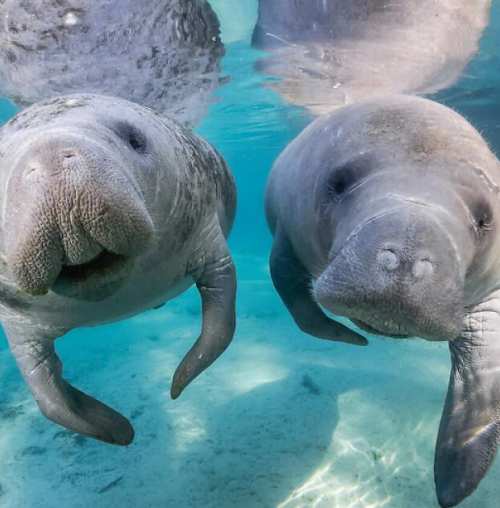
(104, 262)
(388, 328)
(95, 279)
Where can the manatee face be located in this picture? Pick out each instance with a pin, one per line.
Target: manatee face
(401, 244)
(164, 54)
(75, 213)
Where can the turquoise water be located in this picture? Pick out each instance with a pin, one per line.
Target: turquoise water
(281, 420)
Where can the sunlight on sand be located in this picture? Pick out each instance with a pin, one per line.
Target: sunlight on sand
(189, 427)
(320, 490)
(255, 365)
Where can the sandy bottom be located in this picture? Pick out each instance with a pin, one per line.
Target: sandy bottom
(282, 420)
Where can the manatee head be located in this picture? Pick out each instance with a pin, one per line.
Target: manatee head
(75, 214)
(406, 229)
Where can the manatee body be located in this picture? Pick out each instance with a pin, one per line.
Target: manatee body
(329, 53)
(387, 212)
(108, 209)
(164, 54)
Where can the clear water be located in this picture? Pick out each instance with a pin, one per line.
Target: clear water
(281, 420)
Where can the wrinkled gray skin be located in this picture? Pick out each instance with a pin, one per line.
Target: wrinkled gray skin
(107, 210)
(329, 53)
(164, 54)
(387, 212)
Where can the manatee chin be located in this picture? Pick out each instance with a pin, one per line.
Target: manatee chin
(392, 312)
(388, 328)
(96, 280)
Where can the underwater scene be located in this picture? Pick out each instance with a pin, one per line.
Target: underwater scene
(280, 418)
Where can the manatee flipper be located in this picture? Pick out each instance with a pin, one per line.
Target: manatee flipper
(293, 283)
(60, 402)
(217, 286)
(470, 426)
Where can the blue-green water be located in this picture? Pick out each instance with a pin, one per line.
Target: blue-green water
(281, 420)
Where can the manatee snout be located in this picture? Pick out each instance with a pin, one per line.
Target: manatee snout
(76, 219)
(397, 275)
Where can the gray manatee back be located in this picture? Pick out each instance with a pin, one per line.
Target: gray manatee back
(164, 54)
(329, 53)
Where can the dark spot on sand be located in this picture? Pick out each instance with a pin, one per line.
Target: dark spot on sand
(11, 413)
(74, 477)
(137, 412)
(308, 383)
(33, 450)
(110, 485)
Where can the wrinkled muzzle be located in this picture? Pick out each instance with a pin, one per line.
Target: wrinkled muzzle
(398, 275)
(75, 222)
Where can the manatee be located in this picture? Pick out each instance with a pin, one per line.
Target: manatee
(108, 209)
(329, 53)
(387, 212)
(164, 54)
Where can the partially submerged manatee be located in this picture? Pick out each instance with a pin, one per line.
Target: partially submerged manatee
(164, 54)
(329, 53)
(108, 209)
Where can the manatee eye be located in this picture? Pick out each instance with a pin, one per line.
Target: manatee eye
(483, 216)
(338, 184)
(342, 180)
(136, 142)
(132, 136)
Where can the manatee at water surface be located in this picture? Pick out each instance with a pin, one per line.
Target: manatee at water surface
(328, 53)
(108, 209)
(164, 54)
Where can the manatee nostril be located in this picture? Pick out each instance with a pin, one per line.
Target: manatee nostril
(388, 260)
(69, 155)
(423, 268)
